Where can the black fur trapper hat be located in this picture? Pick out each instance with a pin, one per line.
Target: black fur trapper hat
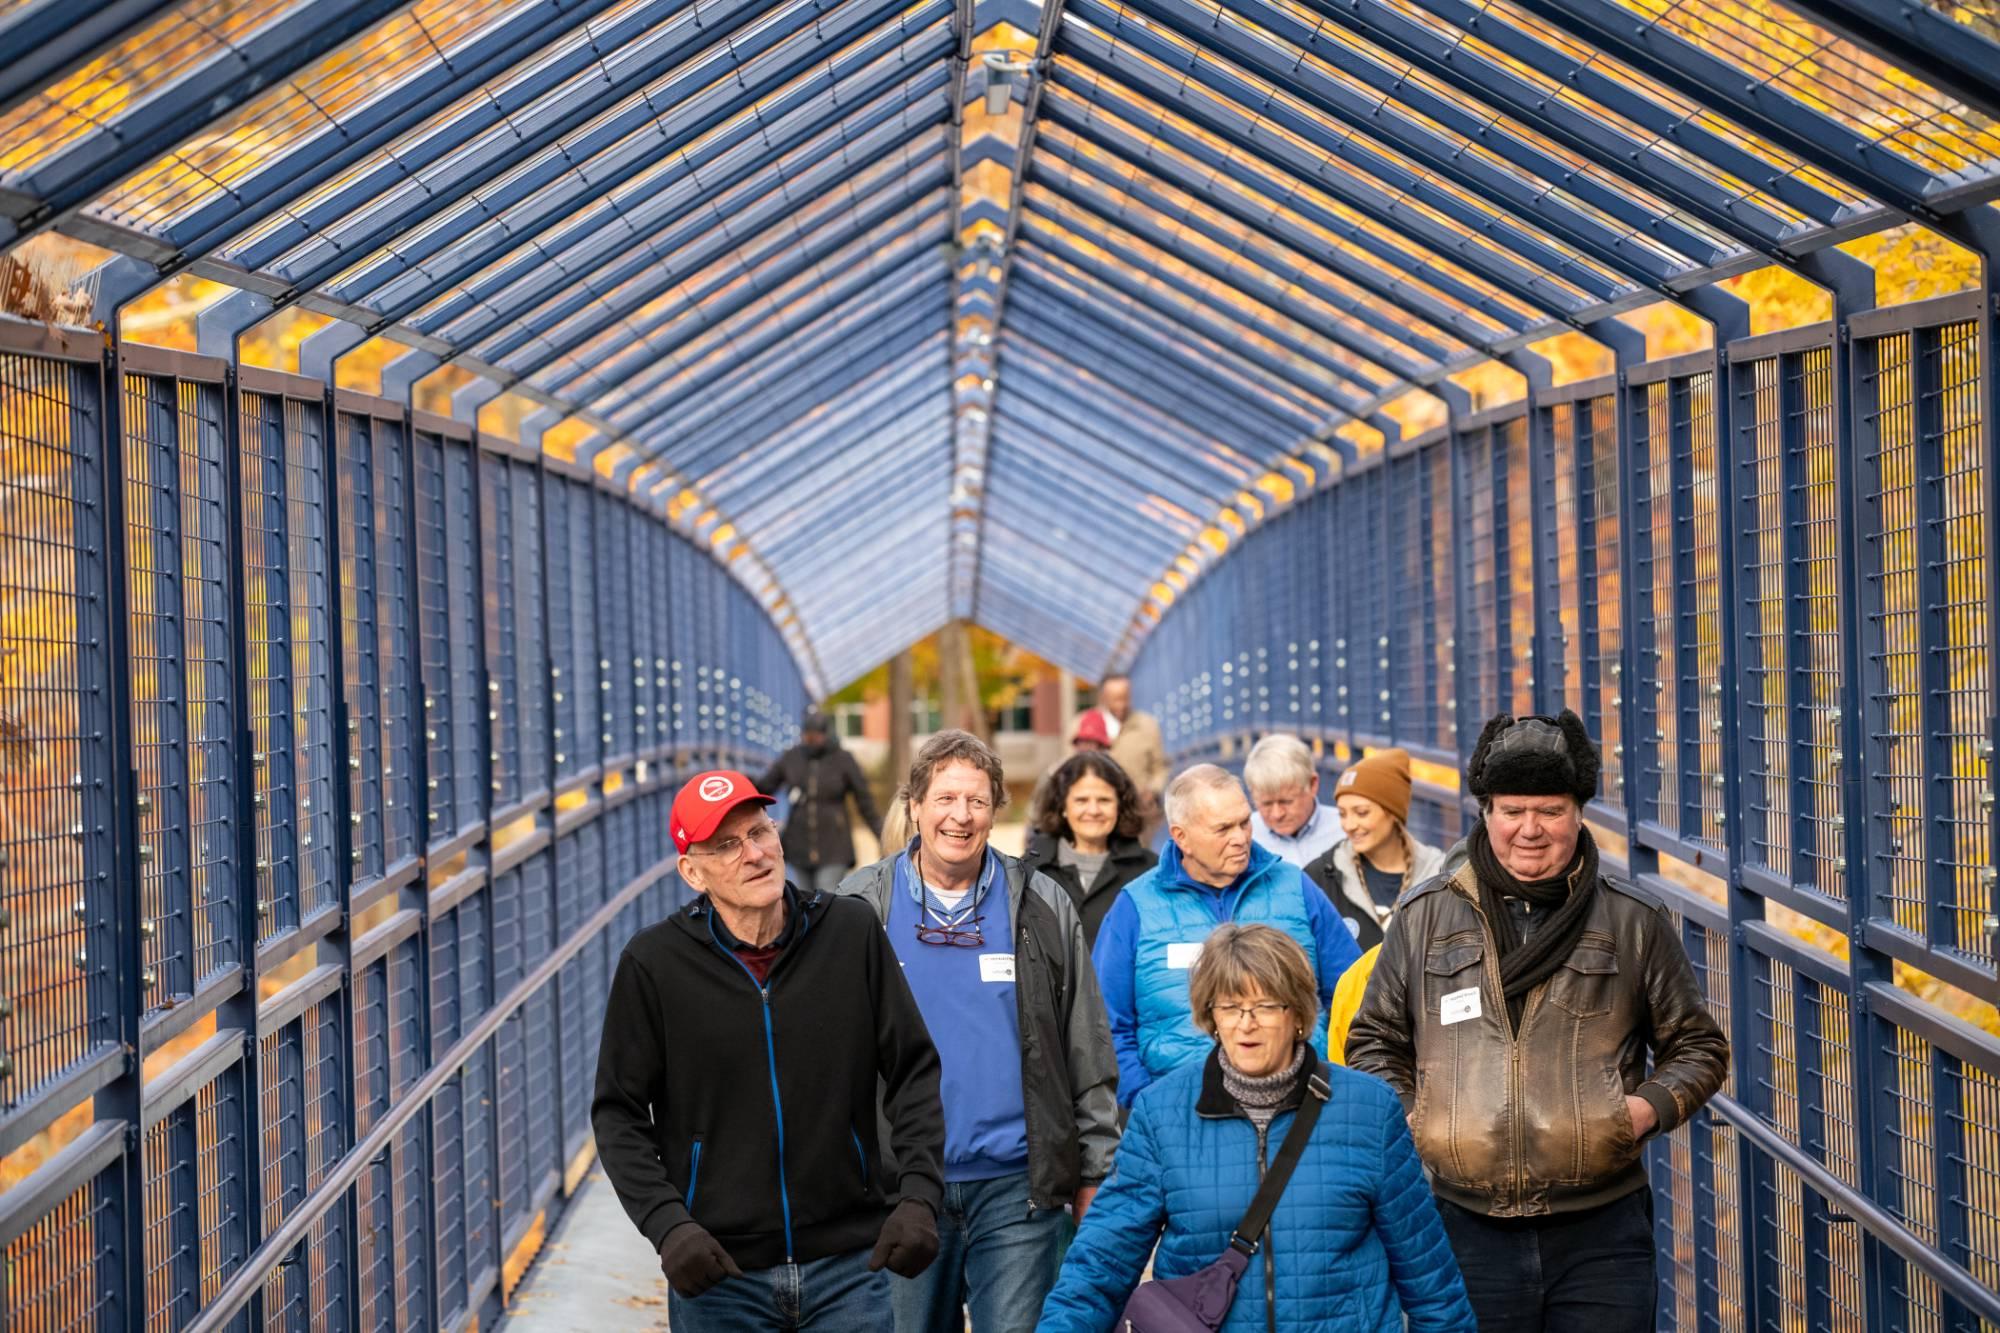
(1534, 756)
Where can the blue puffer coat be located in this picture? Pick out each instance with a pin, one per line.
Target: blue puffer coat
(1355, 1244)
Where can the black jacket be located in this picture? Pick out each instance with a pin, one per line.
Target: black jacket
(1129, 859)
(753, 1110)
(817, 832)
(1069, 1074)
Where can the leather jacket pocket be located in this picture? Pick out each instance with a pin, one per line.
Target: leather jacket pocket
(1586, 985)
(1457, 1120)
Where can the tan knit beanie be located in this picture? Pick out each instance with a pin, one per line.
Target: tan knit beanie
(1384, 778)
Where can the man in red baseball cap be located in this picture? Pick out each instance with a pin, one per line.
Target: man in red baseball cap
(744, 1043)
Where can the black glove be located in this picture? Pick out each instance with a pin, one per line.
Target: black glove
(694, 1261)
(909, 1240)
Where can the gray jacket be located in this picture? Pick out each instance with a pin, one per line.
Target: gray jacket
(1068, 1071)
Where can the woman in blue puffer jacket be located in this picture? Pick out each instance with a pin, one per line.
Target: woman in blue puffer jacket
(1355, 1243)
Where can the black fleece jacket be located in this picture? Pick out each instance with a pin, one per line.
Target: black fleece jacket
(752, 1110)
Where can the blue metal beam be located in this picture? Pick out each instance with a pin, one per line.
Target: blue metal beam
(922, 226)
(1955, 58)
(1173, 299)
(731, 31)
(1107, 306)
(1589, 136)
(96, 163)
(799, 394)
(1053, 492)
(799, 297)
(1442, 155)
(527, 32)
(585, 251)
(786, 473)
(1173, 379)
(1225, 103)
(894, 117)
(1631, 101)
(806, 505)
(1753, 101)
(1095, 418)
(1286, 253)
(567, 191)
(1253, 284)
(1090, 414)
(865, 408)
(800, 389)
(887, 200)
(1451, 310)
(736, 364)
(46, 41)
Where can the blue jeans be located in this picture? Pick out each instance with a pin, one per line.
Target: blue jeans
(835, 1295)
(1588, 1272)
(824, 878)
(995, 1254)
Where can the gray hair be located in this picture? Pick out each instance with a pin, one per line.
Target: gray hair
(1278, 763)
(955, 747)
(1191, 785)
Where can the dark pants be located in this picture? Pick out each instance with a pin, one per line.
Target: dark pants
(1589, 1272)
(834, 1295)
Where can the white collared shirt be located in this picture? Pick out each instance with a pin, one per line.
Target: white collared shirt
(1318, 834)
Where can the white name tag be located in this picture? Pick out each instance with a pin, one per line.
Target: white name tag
(1181, 957)
(1459, 1006)
(996, 967)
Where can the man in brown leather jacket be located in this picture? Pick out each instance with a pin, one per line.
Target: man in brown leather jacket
(1514, 1006)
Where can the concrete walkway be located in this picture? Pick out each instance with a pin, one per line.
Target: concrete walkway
(596, 1273)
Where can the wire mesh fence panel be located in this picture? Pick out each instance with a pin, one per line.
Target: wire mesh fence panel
(360, 637)
(55, 895)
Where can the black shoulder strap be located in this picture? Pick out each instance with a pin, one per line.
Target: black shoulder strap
(1250, 1231)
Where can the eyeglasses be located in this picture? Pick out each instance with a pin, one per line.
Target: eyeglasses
(765, 835)
(952, 935)
(1263, 1012)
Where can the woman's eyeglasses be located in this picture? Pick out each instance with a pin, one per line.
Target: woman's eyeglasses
(1262, 1013)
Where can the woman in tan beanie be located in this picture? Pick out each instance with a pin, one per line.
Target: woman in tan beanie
(1368, 870)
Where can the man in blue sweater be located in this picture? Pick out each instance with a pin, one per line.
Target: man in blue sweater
(1210, 873)
(994, 954)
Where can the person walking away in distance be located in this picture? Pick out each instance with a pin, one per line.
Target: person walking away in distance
(820, 776)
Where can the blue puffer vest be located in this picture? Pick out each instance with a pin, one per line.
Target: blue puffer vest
(1175, 915)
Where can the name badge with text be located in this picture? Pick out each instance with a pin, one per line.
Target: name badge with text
(1459, 1006)
(996, 967)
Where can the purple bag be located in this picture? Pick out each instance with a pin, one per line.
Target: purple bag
(1199, 1302)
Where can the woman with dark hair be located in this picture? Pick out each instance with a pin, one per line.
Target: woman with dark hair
(1086, 835)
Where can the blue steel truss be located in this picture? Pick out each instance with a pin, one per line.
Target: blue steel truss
(336, 733)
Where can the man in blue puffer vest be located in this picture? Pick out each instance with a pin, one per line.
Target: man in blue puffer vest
(1210, 873)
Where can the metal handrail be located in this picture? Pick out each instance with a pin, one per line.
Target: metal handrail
(250, 1278)
(1959, 1283)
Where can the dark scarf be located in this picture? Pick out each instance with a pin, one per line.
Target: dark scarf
(1526, 964)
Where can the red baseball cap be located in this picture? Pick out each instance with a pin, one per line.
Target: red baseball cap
(704, 799)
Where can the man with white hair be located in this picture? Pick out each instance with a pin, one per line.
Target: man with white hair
(1210, 874)
(1284, 787)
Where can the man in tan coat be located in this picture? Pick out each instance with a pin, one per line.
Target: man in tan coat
(1135, 744)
